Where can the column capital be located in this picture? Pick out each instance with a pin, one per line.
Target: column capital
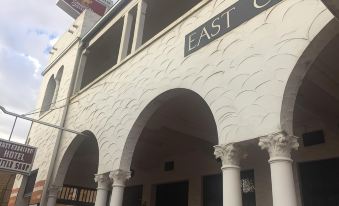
(279, 145)
(230, 155)
(53, 191)
(119, 177)
(103, 181)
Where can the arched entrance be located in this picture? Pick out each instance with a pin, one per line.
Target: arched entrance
(172, 156)
(74, 182)
(174, 150)
(314, 117)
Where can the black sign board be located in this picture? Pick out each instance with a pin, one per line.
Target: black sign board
(15, 157)
(224, 22)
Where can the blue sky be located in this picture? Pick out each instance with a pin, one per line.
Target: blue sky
(28, 30)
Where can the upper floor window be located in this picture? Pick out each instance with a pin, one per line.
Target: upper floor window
(138, 25)
(102, 55)
(51, 92)
(161, 13)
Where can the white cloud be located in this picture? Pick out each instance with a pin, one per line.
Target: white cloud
(36, 64)
(24, 42)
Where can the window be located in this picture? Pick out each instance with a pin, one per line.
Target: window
(212, 189)
(103, 54)
(52, 91)
(30, 183)
(161, 13)
(49, 94)
(313, 138)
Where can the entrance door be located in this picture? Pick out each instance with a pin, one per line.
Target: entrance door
(173, 194)
(320, 182)
(133, 196)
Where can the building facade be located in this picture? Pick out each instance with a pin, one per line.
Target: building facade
(190, 103)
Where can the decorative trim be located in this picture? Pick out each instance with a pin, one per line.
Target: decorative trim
(53, 191)
(230, 155)
(119, 177)
(279, 145)
(103, 181)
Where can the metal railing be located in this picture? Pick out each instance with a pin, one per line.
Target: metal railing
(73, 195)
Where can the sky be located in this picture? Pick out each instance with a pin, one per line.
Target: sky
(29, 28)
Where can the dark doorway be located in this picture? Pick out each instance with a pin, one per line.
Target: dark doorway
(320, 182)
(133, 196)
(172, 194)
(212, 189)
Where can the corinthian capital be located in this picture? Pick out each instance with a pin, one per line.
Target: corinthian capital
(230, 154)
(53, 190)
(119, 177)
(279, 144)
(103, 181)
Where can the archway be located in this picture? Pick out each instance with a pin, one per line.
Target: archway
(297, 76)
(171, 153)
(312, 107)
(75, 175)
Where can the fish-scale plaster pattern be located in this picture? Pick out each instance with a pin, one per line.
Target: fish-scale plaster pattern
(242, 77)
(44, 137)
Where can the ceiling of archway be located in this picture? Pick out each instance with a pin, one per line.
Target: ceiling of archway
(182, 125)
(187, 114)
(318, 97)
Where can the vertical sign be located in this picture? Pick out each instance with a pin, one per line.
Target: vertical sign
(226, 21)
(16, 158)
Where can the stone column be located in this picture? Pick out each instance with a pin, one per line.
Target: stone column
(279, 147)
(53, 195)
(230, 157)
(119, 178)
(103, 182)
(139, 25)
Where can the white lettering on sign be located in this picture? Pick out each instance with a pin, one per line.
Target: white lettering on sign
(256, 5)
(16, 158)
(224, 22)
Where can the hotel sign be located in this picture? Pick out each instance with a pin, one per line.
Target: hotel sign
(224, 22)
(16, 158)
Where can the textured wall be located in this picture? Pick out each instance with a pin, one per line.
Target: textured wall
(241, 76)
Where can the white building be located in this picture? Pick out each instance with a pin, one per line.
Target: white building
(259, 80)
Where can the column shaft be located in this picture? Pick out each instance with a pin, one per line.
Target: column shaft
(283, 188)
(119, 178)
(230, 156)
(52, 195)
(231, 186)
(101, 198)
(117, 196)
(279, 146)
(103, 182)
(51, 201)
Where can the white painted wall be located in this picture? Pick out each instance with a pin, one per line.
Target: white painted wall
(242, 77)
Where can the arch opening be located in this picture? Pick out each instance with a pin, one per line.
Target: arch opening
(76, 171)
(49, 94)
(312, 107)
(173, 159)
